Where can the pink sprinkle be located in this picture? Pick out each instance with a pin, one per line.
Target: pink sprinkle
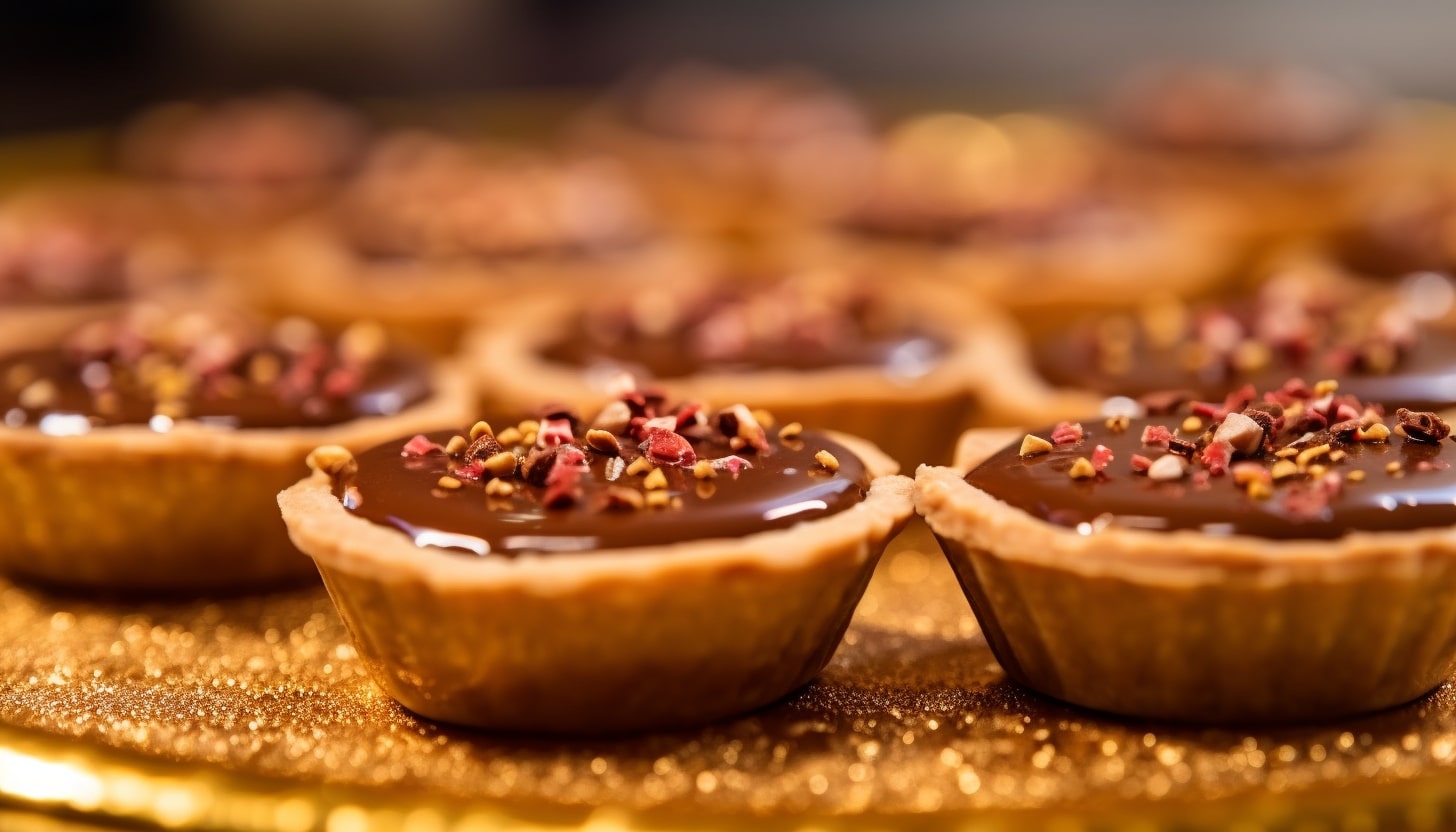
(1157, 435)
(1066, 433)
(731, 464)
(1216, 457)
(554, 432)
(471, 471)
(1200, 479)
(1141, 464)
(1101, 456)
(687, 415)
(563, 481)
(421, 445)
(667, 448)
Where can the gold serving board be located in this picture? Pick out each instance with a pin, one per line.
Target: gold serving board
(254, 712)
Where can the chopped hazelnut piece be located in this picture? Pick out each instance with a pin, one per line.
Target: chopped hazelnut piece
(640, 465)
(1242, 432)
(1259, 490)
(621, 498)
(1392, 467)
(1337, 456)
(1325, 387)
(448, 483)
(1377, 432)
(1192, 424)
(657, 499)
(1283, 470)
(655, 481)
(502, 464)
(456, 445)
(1355, 476)
(480, 429)
(334, 460)
(1309, 455)
(510, 436)
(500, 488)
(1167, 468)
(1116, 424)
(603, 442)
(1082, 469)
(790, 431)
(828, 460)
(1286, 452)
(1034, 445)
(703, 470)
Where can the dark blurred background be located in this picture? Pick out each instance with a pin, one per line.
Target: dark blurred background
(70, 63)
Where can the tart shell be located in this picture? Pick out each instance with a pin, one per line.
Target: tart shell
(126, 508)
(601, 642)
(1184, 626)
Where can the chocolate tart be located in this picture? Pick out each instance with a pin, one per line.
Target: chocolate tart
(1387, 343)
(1283, 572)
(825, 347)
(430, 225)
(595, 584)
(242, 163)
(1282, 152)
(738, 153)
(1015, 210)
(75, 249)
(172, 489)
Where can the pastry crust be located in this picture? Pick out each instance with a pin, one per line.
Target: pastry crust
(599, 642)
(127, 508)
(913, 420)
(1185, 626)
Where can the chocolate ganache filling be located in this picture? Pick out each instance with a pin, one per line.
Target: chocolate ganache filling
(787, 325)
(1377, 345)
(1295, 463)
(632, 478)
(201, 367)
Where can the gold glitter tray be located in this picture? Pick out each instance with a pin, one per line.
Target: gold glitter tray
(255, 713)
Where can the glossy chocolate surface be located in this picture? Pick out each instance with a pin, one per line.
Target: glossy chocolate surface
(783, 487)
(109, 391)
(777, 328)
(1421, 494)
(1415, 367)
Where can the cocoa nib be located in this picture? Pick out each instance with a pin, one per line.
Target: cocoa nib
(1182, 447)
(536, 467)
(485, 446)
(1422, 425)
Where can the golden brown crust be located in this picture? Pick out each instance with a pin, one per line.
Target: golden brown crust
(1280, 629)
(128, 508)
(594, 642)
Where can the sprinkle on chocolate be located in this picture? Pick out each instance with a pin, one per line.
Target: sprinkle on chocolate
(536, 465)
(1034, 445)
(483, 446)
(1182, 447)
(500, 488)
(456, 446)
(790, 432)
(334, 460)
(828, 460)
(703, 470)
(621, 498)
(1067, 433)
(657, 499)
(420, 445)
(1118, 423)
(1422, 426)
(510, 436)
(639, 466)
(1192, 424)
(502, 464)
(480, 429)
(1082, 469)
(603, 442)
(449, 483)
(655, 481)
(1167, 468)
